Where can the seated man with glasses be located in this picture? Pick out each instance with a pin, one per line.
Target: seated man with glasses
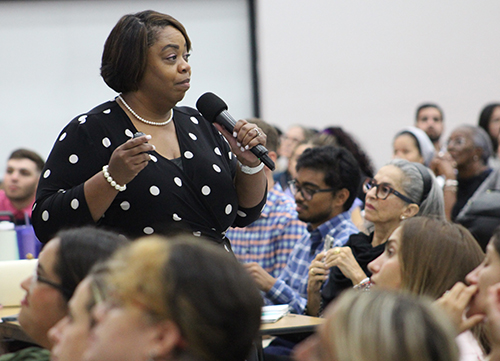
(324, 188)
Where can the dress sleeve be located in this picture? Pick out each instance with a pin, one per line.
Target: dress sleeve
(245, 216)
(60, 200)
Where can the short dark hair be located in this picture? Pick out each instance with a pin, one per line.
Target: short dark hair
(339, 166)
(124, 58)
(28, 154)
(79, 249)
(429, 105)
(273, 139)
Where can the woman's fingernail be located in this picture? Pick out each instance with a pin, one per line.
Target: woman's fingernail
(235, 134)
(148, 137)
(238, 144)
(247, 147)
(242, 149)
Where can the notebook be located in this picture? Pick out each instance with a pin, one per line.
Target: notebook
(273, 313)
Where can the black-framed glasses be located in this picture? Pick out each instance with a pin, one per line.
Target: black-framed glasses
(383, 190)
(306, 192)
(40, 279)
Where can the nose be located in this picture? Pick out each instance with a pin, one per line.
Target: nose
(26, 283)
(374, 265)
(472, 277)
(184, 66)
(372, 193)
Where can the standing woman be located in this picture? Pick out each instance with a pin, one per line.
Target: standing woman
(399, 190)
(181, 174)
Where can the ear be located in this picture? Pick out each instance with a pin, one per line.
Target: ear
(410, 210)
(341, 197)
(167, 339)
(273, 156)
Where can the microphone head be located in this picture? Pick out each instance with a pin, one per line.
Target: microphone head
(210, 105)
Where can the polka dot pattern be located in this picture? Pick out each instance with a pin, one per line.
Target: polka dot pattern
(148, 230)
(194, 120)
(188, 154)
(73, 159)
(228, 209)
(154, 190)
(216, 168)
(125, 205)
(205, 190)
(178, 181)
(82, 119)
(241, 214)
(75, 204)
(106, 142)
(107, 111)
(129, 133)
(63, 135)
(217, 151)
(46, 174)
(45, 216)
(193, 136)
(176, 217)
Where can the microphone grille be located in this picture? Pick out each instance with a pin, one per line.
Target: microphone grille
(210, 105)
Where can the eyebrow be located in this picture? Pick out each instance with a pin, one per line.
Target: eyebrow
(175, 46)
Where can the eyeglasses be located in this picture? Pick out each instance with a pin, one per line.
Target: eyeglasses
(383, 190)
(458, 142)
(37, 278)
(307, 193)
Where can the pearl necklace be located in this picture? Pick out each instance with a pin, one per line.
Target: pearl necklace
(144, 120)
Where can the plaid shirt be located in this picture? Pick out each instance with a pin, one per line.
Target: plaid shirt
(270, 239)
(291, 286)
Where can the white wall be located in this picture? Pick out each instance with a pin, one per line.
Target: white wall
(50, 54)
(365, 65)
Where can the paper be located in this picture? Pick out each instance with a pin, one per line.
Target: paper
(273, 313)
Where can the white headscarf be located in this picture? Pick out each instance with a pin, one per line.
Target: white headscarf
(423, 142)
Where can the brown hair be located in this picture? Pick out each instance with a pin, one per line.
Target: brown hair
(199, 286)
(435, 254)
(273, 139)
(28, 154)
(125, 52)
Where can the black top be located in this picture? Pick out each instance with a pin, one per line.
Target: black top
(465, 190)
(364, 253)
(199, 196)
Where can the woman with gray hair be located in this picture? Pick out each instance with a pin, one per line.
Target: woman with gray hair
(399, 190)
(475, 200)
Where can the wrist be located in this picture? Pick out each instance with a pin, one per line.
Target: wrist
(111, 181)
(251, 170)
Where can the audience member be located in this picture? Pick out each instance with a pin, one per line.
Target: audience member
(470, 179)
(399, 190)
(338, 137)
(284, 178)
(70, 336)
(294, 136)
(414, 145)
(270, 239)
(381, 326)
(430, 119)
(19, 184)
(175, 299)
(493, 321)
(489, 120)
(181, 174)
(324, 188)
(62, 264)
(427, 257)
(467, 304)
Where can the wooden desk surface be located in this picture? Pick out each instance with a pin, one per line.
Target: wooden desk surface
(291, 323)
(12, 330)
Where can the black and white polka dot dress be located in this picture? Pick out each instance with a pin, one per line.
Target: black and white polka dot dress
(199, 196)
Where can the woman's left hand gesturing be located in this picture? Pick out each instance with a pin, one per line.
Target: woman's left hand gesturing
(343, 258)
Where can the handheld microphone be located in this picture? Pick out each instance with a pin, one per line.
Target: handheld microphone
(214, 109)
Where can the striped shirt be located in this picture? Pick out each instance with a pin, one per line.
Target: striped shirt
(269, 240)
(291, 286)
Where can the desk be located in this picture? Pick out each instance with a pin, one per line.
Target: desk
(291, 323)
(12, 330)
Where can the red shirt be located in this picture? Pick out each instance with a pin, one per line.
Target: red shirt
(6, 205)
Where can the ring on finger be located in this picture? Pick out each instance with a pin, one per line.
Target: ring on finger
(336, 250)
(312, 272)
(257, 131)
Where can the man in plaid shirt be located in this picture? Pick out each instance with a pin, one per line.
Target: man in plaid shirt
(325, 188)
(269, 240)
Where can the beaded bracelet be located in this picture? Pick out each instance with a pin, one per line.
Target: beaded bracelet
(251, 170)
(111, 181)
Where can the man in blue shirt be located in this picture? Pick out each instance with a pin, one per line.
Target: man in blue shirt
(325, 187)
